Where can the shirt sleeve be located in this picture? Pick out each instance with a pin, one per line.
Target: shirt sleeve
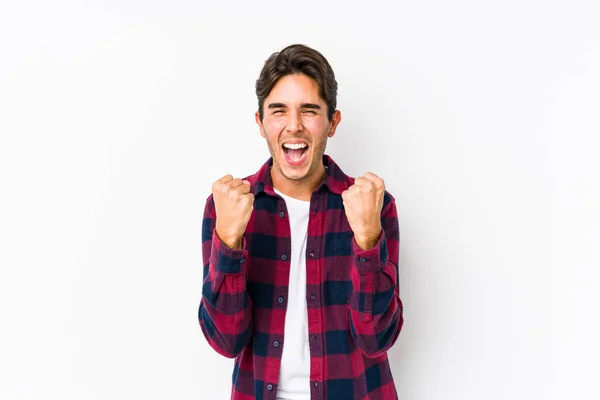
(376, 316)
(225, 313)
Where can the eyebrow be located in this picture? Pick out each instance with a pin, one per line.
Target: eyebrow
(311, 105)
(303, 105)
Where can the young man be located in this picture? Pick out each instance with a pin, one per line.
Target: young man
(301, 260)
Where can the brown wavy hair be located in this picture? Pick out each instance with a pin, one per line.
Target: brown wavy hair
(298, 59)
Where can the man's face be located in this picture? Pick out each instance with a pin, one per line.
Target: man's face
(296, 127)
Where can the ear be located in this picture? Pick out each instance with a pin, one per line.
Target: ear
(259, 123)
(335, 121)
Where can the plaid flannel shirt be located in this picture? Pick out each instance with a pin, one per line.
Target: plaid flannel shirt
(354, 307)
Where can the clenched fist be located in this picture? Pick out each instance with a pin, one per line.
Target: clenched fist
(363, 202)
(233, 205)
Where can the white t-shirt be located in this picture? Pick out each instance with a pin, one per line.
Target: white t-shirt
(294, 376)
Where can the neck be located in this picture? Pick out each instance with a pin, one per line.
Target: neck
(300, 189)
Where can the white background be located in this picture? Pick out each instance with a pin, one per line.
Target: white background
(116, 117)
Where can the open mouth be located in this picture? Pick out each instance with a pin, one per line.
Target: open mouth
(295, 153)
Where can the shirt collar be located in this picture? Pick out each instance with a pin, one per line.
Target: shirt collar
(336, 180)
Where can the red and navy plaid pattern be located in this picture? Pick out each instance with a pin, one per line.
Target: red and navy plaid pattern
(353, 298)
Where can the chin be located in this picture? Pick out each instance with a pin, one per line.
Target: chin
(294, 174)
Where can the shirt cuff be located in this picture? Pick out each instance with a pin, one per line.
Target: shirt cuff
(371, 260)
(226, 259)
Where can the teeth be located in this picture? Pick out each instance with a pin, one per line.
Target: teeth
(294, 146)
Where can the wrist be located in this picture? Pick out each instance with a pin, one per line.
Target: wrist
(368, 238)
(233, 242)
(366, 242)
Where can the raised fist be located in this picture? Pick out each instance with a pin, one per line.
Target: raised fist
(363, 202)
(233, 205)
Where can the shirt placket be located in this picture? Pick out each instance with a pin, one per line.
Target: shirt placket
(314, 293)
(283, 252)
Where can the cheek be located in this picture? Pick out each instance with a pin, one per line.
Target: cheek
(318, 133)
(317, 126)
(273, 127)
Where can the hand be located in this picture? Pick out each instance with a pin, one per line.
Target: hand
(363, 202)
(233, 205)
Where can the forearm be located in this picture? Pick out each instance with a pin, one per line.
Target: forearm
(375, 312)
(226, 334)
(225, 313)
(376, 316)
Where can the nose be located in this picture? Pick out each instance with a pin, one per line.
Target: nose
(294, 123)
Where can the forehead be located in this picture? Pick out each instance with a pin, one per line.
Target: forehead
(295, 88)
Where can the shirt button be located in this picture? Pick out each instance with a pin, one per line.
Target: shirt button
(280, 300)
(269, 387)
(362, 259)
(284, 257)
(242, 260)
(316, 384)
(312, 255)
(276, 343)
(282, 214)
(312, 296)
